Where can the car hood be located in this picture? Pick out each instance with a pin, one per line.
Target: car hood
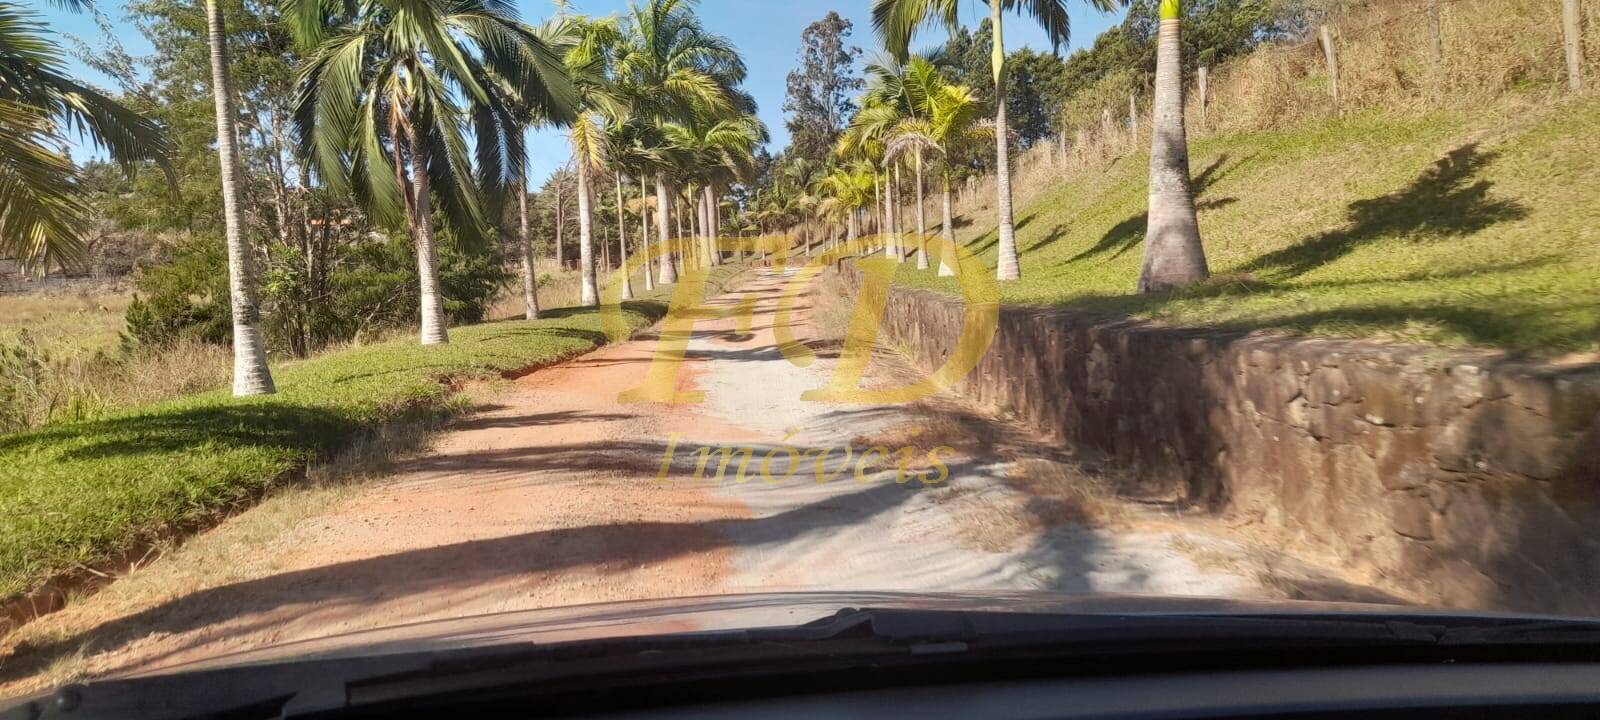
(720, 614)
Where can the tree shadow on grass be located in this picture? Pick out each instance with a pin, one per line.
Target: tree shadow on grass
(1442, 202)
(1123, 236)
(272, 425)
(992, 238)
(1511, 324)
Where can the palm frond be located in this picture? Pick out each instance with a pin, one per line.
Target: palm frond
(42, 208)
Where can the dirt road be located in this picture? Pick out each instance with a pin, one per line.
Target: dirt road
(551, 496)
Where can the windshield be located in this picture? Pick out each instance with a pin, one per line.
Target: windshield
(323, 322)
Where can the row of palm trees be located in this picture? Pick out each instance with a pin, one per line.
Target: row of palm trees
(911, 110)
(416, 109)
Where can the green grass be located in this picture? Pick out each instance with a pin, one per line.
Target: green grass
(80, 494)
(1448, 229)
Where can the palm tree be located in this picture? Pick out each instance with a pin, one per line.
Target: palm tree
(949, 117)
(588, 154)
(626, 153)
(250, 373)
(848, 191)
(1173, 254)
(43, 212)
(867, 140)
(898, 20)
(712, 153)
(672, 70)
(530, 280)
(587, 61)
(386, 97)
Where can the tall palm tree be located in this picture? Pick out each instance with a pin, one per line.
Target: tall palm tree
(848, 189)
(43, 212)
(626, 154)
(530, 279)
(949, 117)
(588, 155)
(588, 63)
(712, 153)
(867, 139)
(1173, 254)
(898, 20)
(250, 373)
(673, 70)
(387, 96)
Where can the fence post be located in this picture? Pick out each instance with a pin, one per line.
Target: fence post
(1333, 64)
(1572, 35)
(1435, 35)
(1105, 130)
(1203, 81)
(1133, 123)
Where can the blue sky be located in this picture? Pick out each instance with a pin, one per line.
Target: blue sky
(767, 32)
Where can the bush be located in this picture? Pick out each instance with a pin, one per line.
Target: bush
(373, 287)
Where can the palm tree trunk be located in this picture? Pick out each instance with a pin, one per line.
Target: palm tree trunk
(1173, 254)
(712, 251)
(1007, 267)
(677, 222)
(697, 225)
(669, 274)
(946, 264)
(250, 373)
(561, 258)
(644, 236)
(877, 202)
(897, 216)
(530, 281)
(588, 295)
(434, 330)
(622, 243)
(922, 219)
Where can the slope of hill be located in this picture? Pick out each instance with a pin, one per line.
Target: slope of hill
(1451, 227)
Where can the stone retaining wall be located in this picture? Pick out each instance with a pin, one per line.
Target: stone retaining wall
(1470, 479)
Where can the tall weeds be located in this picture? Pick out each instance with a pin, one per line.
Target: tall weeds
(1493, 51)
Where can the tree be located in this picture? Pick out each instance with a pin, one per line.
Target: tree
(896, 22)
(821, 91)
(713, 153)
(1173, 254)
(625, 150)
(587, 62)
(848, 191)
(43, 210)
(588, 155)
(671, 70)
(387, 95)
(949, 116)
(250, 373)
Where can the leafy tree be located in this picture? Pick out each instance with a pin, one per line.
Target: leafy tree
(821, 92)
(43, 209)
(1031, 97)
(387, 96)
(670, 69)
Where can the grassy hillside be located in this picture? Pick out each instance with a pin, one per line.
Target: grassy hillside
(76, 495)
(1449, 228)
